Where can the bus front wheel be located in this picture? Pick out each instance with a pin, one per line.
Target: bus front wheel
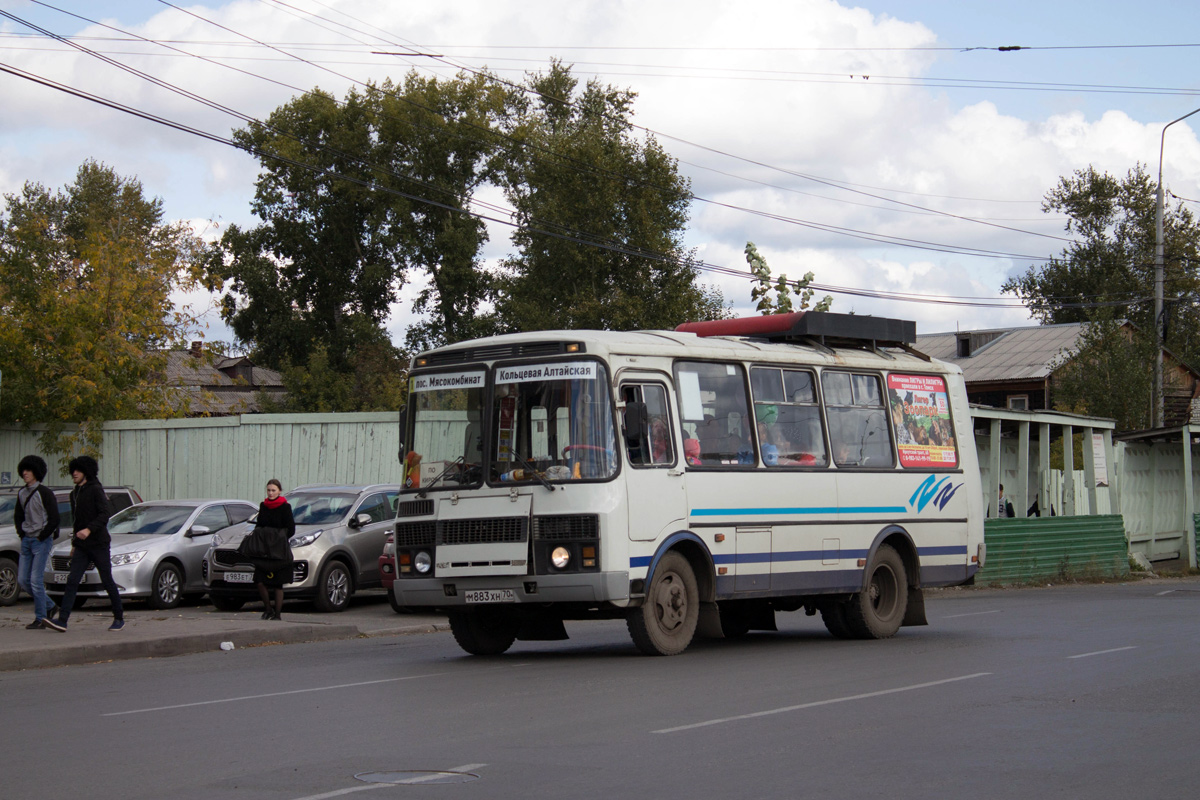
(666, 621)
(877, 611)
(485, 632)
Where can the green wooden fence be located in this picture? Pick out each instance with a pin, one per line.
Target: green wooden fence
(1040, 548)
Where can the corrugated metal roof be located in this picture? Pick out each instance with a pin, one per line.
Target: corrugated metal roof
(1014, 354)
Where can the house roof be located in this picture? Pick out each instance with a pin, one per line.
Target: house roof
(1005, 354)
(184, 369)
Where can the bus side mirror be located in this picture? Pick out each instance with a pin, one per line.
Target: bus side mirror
(403, 427)
(637, 421)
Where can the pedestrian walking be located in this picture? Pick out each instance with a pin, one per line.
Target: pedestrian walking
(90, 542)
(36, 519)
(273, 567)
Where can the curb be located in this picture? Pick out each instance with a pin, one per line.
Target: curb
(184, 644)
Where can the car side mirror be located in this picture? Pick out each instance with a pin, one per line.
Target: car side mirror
(198, 530)
(360, 520)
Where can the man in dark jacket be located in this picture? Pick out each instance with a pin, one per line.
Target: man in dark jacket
(90, 541)
(36, 519)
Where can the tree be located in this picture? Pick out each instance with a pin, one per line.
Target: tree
(1111, 260)
(85, 311)
(782, 303)
(601, 216)
(1110, 374)
(354, 196)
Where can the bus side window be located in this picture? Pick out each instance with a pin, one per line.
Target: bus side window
(712, 396)
(788, 417)
(858, 429)
(651, 443)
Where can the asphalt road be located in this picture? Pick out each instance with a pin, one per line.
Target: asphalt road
(1072, 692)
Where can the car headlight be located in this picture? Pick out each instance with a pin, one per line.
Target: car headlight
(423, 562)
(305, 538)
(560, 557)
(121, 559)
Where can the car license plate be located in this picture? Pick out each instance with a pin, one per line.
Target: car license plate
(239, 577)
(60, 577)
(490, 596)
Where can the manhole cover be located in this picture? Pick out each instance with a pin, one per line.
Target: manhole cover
(411, 776)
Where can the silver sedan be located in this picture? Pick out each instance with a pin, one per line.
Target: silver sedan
(157, 549)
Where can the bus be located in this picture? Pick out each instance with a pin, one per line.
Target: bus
(693, 482)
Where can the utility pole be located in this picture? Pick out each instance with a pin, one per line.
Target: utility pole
(1158, 281)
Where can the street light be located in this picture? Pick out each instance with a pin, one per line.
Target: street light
(1158, 281)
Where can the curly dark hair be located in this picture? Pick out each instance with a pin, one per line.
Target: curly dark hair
(85, 464)
(34, 464)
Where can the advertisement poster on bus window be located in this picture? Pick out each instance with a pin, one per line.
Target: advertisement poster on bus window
(920, 411)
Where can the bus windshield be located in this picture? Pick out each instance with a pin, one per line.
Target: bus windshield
(446, 414)
(552, 421)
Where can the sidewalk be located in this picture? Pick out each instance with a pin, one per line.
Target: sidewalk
(191, 629)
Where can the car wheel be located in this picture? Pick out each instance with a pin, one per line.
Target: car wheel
(224, 602)
(166, 590)
(9, 590)
(484, 633)
(334, 588)
(666, 621)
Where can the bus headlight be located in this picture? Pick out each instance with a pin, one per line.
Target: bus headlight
(423, 562)
(560, 557)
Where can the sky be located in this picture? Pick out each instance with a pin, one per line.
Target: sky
(888, 147)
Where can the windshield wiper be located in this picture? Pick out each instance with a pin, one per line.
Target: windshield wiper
(455, 463)
(529, 469)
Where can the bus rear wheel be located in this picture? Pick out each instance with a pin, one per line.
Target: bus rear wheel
(666, 621)
(484, 633)
(833, 614)
(877, 611)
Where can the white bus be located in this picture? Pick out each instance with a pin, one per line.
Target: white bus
(693, 482)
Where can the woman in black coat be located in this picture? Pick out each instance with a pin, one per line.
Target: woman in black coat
(274, 512)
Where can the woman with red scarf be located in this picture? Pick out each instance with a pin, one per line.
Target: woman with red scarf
(274, 512)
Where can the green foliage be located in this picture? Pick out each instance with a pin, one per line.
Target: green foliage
(375, 381)
(1112, 259)
(1109, 375)
(782, 302)
(601, 215)
(85, 312)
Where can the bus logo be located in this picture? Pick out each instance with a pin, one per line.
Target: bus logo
(939, 492)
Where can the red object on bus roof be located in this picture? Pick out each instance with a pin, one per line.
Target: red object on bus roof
(799, 325)
(744, 326)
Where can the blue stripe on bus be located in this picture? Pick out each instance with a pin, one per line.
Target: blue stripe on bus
(803, 555)
(741, 512)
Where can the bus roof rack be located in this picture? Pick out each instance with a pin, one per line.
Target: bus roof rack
(822, 326)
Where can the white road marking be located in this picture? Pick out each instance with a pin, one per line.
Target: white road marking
(1104, 652)
(972, 614)
(271, 694)
(1168, 591)
(817, 703)
(369, 786)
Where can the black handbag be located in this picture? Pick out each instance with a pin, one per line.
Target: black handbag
(265, 544)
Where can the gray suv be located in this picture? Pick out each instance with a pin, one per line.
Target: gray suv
(10, 544)
(340, 532)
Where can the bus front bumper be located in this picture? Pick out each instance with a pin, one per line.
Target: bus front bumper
(594, 587)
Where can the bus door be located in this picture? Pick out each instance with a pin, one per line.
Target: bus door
(655, 488)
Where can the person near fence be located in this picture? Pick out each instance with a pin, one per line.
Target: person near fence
(36, 519)
(273, 571)
(90, 542)
(1006, 506)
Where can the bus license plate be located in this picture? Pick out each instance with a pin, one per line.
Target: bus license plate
(239, 577)
(490, 596)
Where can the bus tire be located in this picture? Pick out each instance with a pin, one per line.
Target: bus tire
(484, 633)
(878, 610)
(833, 614)
(666, 622)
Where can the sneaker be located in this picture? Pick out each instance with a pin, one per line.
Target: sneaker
(117, 625)
(36, 625)
(55, 625)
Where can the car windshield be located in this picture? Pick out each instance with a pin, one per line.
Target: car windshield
(163, 520)
(7, 504)
(320, 508)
